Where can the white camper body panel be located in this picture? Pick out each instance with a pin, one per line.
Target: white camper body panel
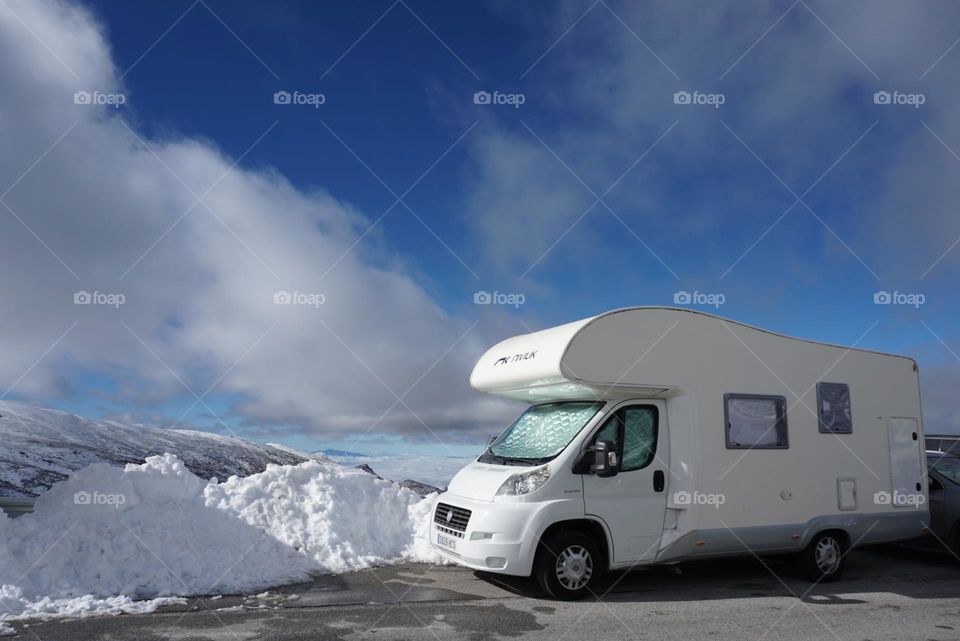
(772, 499)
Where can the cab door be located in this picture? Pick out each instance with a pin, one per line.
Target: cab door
(633, 502)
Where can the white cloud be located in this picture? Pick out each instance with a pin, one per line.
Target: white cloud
(798, 89)
(198, 292)
(797, 95)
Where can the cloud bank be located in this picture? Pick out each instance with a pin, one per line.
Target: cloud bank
(199, 248)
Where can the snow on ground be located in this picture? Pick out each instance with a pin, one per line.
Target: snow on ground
(110, 540)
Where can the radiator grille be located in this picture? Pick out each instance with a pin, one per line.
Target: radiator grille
(452, 517)
(450, 532)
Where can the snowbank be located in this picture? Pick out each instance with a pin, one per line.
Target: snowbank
(108, 538)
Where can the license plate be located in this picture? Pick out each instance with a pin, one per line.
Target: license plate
(446, 541)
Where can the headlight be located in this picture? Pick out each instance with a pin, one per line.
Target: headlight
(524, 483)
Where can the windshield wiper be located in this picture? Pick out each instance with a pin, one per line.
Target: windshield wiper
(518, 460)
(490, 457)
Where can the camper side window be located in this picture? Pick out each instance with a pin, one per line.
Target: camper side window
(755, 421)
(633, 430)
(833, 403)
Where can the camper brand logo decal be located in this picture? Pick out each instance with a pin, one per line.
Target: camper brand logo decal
(683, 297)
(898, 298)
(516, 357)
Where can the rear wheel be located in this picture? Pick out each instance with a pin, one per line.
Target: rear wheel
(822, 560)
(567, 565)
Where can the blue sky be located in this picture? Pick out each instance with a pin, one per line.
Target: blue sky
(796, 199)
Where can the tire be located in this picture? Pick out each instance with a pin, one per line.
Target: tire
(823, 559)
(567, 566)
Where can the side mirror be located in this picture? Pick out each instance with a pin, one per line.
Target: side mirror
(605, 461)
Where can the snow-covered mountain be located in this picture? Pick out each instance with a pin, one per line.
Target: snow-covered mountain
(39, 447)
(431, 470)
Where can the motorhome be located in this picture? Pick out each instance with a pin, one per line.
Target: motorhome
(660, 435)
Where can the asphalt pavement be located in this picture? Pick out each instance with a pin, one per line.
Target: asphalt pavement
(893, 593)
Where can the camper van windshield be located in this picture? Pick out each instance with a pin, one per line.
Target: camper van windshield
(540, 433)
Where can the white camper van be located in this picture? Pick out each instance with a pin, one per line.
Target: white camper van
(656, 435)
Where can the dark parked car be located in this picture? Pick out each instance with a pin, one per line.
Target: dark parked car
(944, 470)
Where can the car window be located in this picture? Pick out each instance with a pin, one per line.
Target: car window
(542, 431)
(947, 467)
(633, 430)
(639, 437)
(833, 400)
(756, 421)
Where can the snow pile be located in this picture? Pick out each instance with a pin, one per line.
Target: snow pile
(108, 537)
(343, 518)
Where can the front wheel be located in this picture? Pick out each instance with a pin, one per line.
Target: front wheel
(822, 560)
(567, 565)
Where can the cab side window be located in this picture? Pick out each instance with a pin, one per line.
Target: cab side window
(633, 430)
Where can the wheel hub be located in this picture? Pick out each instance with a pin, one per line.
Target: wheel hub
(574, 567)
(827, 555)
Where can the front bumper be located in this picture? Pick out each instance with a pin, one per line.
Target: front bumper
(499, 537)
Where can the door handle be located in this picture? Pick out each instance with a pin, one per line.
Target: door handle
(658, 481)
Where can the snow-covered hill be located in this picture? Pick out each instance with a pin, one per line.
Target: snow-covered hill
(39, 447)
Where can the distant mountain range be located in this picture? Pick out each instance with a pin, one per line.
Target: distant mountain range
(345, 453)
(423, 489)
(39, 447)
(435, 471)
